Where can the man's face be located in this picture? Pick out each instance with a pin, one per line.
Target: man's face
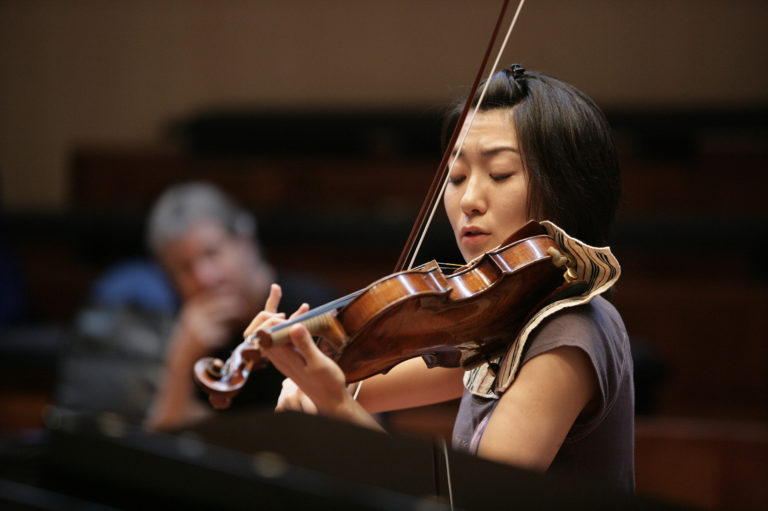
(207, 260)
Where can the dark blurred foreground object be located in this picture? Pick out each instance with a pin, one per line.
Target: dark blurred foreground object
(13, 291)
(112, 361)
(115, 347)
(284, 461)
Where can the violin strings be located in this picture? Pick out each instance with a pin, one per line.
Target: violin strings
(322, 309)
(444, 267)
(495, 65)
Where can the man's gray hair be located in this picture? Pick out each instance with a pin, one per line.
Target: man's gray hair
(183, 205)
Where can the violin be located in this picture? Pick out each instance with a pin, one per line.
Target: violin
(449, 320)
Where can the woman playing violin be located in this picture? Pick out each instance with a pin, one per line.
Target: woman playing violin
(538, 149)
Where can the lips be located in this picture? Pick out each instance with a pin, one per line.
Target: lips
(471, 230)
(471, 234)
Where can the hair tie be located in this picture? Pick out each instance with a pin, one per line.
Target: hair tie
(516, 71)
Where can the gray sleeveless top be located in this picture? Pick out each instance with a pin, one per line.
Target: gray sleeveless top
(599, 446)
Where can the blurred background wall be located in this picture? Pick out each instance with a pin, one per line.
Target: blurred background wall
(81, 71)
(103, 103)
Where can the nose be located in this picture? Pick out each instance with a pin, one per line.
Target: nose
(205, 273)
(473, 200)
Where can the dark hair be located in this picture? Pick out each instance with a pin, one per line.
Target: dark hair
(566, 147)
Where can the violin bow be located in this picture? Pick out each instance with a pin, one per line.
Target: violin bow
(440, 181)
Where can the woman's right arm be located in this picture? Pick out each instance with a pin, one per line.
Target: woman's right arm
(409, 384)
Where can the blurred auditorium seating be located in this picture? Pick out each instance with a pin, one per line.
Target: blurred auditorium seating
(691, 236)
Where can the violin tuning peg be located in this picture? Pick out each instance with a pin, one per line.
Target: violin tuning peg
(558, 259)
(214, 368)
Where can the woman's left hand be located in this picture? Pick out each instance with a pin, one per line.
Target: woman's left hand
(318, 377)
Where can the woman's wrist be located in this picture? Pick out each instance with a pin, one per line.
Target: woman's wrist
(350, 410)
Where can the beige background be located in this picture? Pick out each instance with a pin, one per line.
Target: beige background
(117, 71)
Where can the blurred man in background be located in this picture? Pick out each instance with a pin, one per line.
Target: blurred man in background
(208, 246)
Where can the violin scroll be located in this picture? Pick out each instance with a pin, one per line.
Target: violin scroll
(223, 380)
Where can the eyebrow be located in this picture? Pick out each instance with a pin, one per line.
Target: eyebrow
(492, 151)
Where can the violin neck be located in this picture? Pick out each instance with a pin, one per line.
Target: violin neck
(320, 322)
